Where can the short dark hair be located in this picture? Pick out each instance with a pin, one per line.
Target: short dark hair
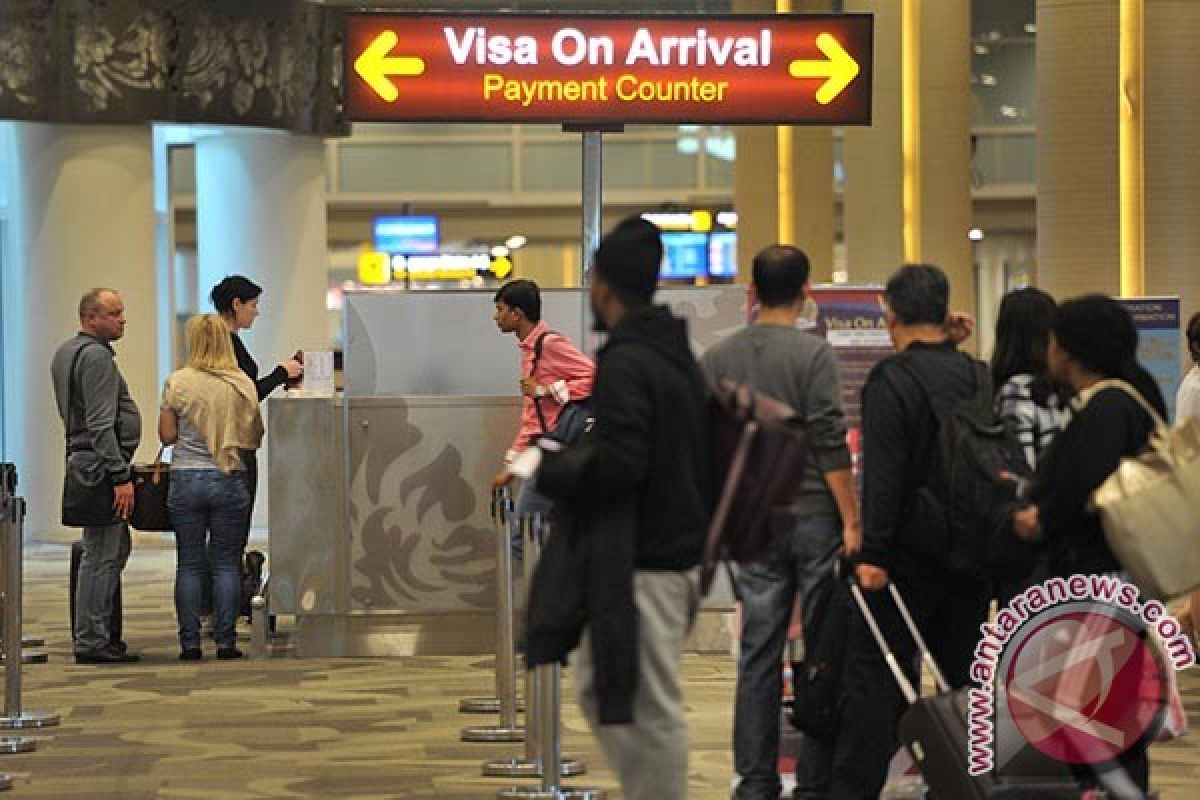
(524, 295)
(780, 272)
(918, 294)
(629, 259)
(1100, 334)
(233, 287)
(1022, 335)
(1193, 329)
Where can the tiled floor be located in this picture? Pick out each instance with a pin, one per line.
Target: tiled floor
(287, 728)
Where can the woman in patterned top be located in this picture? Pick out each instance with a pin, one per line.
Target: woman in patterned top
(1027, 399)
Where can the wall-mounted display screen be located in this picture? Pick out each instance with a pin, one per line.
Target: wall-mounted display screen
(685, 255)
(722, 254)
(407, 235)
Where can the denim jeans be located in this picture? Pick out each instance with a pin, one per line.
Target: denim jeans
(105, 553)
(208, 511)
(803, 555)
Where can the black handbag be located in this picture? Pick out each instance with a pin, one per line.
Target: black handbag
(151, 487)
(88, 497)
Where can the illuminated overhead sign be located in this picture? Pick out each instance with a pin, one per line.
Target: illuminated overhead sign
(608, 69)
(407, 234)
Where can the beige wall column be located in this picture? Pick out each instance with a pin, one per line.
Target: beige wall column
(763, 216)
(1172, 171)
(82, 211)
(875, 193)
(1078, 212)
(260, 212)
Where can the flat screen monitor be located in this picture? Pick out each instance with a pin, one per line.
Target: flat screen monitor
(722, 254)
(407, 235)
(685, 255)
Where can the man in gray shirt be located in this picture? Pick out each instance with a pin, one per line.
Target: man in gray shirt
(799, 369)
(103, 428)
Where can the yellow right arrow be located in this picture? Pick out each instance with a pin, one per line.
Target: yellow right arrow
(375, 66)
(839, 69)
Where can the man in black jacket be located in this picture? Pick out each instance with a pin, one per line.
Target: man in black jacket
(641, 476)
(904, 529)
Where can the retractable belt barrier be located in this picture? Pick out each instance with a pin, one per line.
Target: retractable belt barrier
(12, 524)
(506, 657)
(533, 529)
(544, 717)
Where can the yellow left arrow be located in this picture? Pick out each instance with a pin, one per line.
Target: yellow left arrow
(377, 66)
(839, 69)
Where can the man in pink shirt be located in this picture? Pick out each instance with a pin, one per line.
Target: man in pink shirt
(553, 373)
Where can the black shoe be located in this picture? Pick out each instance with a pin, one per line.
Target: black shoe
(119, 646)
(106, 656)
(192, 654)
(228, 653)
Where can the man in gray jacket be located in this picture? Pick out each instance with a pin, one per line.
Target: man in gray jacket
(799, 369)
(103, 429)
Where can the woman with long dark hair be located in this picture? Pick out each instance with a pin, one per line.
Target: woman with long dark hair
(1028, 399)
(1092, 339)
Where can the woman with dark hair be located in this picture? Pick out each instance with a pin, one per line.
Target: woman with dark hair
(1027, 398)
(236, 300)
(1092, 339)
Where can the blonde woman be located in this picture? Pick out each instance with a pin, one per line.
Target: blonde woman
(210, 414)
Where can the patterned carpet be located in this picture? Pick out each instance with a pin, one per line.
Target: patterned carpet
(287, 728)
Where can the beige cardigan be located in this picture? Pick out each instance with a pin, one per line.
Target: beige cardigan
(223, 406)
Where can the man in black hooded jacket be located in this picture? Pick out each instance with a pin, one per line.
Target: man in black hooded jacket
(638, 489)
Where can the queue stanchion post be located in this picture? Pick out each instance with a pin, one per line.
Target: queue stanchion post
(506, 657)
(27, 656)
(491, 705)
(12, 517)
(546, 716)
(530, 766)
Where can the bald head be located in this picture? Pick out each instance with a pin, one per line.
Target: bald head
(102, 314)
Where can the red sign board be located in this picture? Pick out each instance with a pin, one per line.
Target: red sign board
(606, 69)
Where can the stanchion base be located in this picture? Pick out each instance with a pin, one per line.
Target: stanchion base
(17, 744)
(493, 733)
(30, 657)
(528, 768)
(5, 783)
(485, 705)
(28, 719)
(538, 793)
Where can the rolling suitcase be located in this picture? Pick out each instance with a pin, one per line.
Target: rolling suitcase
(934, 731)
(115, 623)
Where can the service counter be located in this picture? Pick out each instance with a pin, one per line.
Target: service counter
(381, 540)
(380, 535)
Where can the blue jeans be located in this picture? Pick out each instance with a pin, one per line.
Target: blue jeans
(803, 555)
(208, 510)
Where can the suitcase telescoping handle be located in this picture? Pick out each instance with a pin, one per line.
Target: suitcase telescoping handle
(910, 693)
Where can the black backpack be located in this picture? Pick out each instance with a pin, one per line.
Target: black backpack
(817, 678)
(976, 468)
(575, 417)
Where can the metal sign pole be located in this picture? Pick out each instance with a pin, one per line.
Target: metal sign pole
(14, 718)
(506, 657)
(593, 187)
(530, 766)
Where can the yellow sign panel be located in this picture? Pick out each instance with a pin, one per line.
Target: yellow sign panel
(374, 269)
